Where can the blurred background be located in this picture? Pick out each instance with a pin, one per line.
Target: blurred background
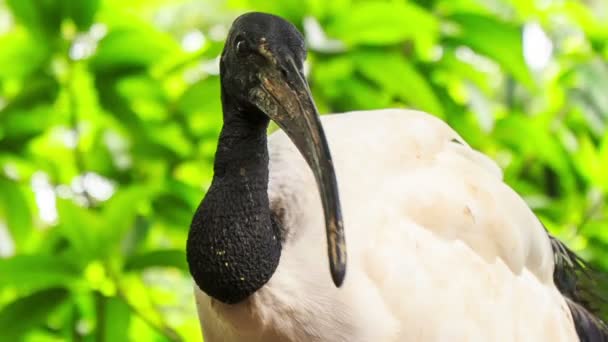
(109, 115)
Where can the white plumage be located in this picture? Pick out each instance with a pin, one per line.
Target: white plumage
(440, 249)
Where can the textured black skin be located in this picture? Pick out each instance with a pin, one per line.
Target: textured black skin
(233, 247)
(234, 244)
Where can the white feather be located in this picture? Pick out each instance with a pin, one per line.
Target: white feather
(440, 249)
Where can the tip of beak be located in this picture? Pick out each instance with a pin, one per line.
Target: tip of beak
(338, 272)
(336, 244)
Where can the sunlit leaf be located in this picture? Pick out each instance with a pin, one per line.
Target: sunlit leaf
(383, 23)
(172, 137)
(118, 318)
(119, 215)
(15, 210)
(603, 160)
(35, 272)
(591, 22)
(538, 142)
(130, 47)
(82, 228)
(144, 95)
(397, 76)
(292, 10)
(496, 39)
(41, 89)
(23, 125)
(21, 54)
(588, 161)
(203, 116)
(451, 67)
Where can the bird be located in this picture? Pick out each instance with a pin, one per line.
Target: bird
(424, 240)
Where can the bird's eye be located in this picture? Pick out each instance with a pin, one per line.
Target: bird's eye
(241, 47)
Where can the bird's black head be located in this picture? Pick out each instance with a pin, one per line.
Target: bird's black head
(259, 46)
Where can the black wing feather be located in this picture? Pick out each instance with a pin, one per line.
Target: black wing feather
(589, 328)
(580, 284)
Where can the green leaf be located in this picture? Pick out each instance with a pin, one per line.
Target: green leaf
(39, 16)
(160, 258)
(15, 209)
(41, 89)
(22, 125)
(452, 69)
(82, 228)
(117, 319)
(360, 94)
(537, 141)
(383, 23)
(111, 100)
(132, 47)
(586, 18)
(82, 12)
(21, 54)
(208, 89)
(136, 236)
(323, 9)
(35, 272)
(173, 208)
(603, 160)
(119, 214)
(398, 77)
(29, 113)
(25, 313)
(203, 117)
(145, 96)
(171, 136)
(588, 161)
(501, 41)
(292, 10)
(334, 81)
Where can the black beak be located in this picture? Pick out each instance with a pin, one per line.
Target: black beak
(285, 97)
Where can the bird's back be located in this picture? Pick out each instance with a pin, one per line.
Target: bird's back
(440, 249)
(448, 247)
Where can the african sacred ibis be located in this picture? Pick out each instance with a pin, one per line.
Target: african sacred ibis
(440, 249)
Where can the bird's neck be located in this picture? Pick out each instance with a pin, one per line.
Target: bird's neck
(234, 246)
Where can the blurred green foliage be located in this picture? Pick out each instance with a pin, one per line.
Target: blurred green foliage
(109, 115)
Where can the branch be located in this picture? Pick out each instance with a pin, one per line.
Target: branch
(160, 327)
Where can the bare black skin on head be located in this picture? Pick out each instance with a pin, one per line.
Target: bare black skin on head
(234, 244)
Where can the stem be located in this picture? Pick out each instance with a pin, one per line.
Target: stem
(76, 336)
(100, 314)
(510, 92)
(159, 327)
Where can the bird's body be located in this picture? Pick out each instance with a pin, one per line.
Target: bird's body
(440, 249)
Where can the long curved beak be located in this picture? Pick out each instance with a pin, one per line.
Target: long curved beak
(285, 97)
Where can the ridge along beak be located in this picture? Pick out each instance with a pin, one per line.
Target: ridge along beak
(285, 97)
